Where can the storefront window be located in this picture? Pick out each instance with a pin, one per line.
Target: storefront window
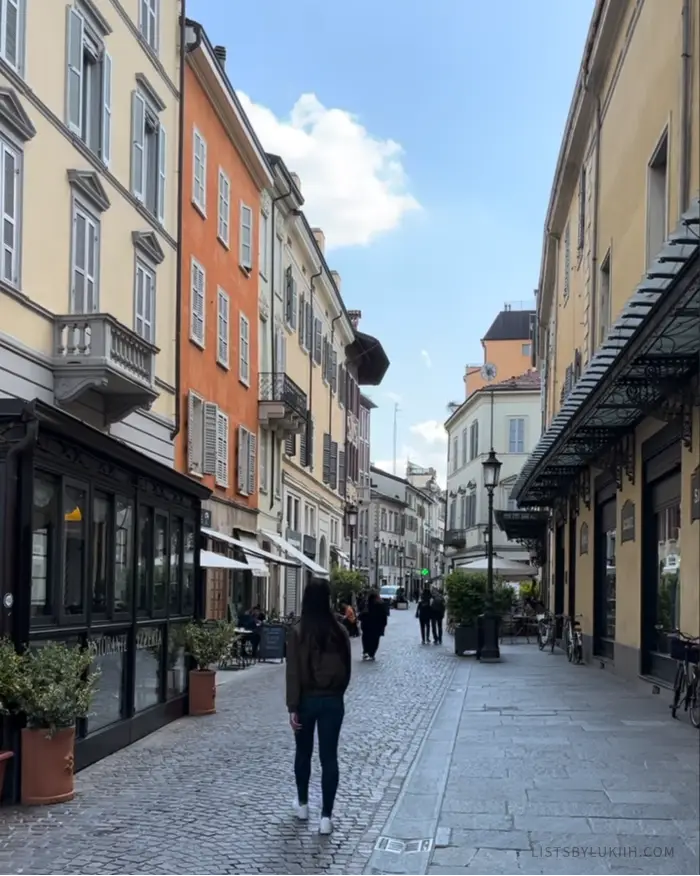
(610, 586)
(109, 660)
(149, 650)
(124, 554)
(161, 563)
(175, 552)
(74, 549)
(177, 666)
(188, 571)
(101, 519)
(44, 542)
(145, 557)
(668, 522)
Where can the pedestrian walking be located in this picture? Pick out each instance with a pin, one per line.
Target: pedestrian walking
(373, 623)
(318, 674)
(437, 613)
(424, 616)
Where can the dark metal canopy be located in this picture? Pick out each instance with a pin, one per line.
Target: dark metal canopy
(368, 355)
(529, 527)
(647, 364)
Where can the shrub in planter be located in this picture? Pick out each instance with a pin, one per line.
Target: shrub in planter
(207, 644)
(56, 689)
(503, 598)
(345, 583)
(10, 686)
(466, 600)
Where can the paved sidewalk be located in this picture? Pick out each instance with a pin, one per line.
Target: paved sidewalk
(447, 766)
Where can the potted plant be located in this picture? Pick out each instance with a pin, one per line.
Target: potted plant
(56, 688)
(10, 681)
(466, 600)
(207, 644)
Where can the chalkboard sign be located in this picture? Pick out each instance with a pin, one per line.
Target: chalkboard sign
(273, 639)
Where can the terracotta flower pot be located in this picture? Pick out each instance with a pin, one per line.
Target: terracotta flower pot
(5, 758)
(47, 766)
(202, 691)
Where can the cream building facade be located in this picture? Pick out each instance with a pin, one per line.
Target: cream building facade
(618, 343)
(89, 140)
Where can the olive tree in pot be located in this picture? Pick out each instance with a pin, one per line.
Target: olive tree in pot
(466, 600)
(207, 644)
(10, 686)
(56, 689)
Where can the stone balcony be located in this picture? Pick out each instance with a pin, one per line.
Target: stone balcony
(282, 404)
(456, 538)
(95, 355)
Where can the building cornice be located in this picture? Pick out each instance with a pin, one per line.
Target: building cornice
(500, 393)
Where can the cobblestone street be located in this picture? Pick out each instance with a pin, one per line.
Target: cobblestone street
(493, 768)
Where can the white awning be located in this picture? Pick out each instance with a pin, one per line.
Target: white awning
(291, 551)
(251, 548)
(343, 558)
(256, 563)
(210, 560)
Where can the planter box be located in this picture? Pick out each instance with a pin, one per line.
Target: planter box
(47, 766)
(466, 639)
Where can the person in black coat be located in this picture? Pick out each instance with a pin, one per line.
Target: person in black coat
(424, 615)
(373, 622)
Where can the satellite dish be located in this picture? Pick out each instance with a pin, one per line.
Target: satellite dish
(488, 371)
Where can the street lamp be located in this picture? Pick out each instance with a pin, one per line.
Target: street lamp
(376, 562)
(490, 651)
(400, 552)
(351, 519)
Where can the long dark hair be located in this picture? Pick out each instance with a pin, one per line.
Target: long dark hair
(318, 623)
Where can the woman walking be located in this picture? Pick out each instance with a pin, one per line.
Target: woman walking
(424, 614)
(318, 674)
(373, 622)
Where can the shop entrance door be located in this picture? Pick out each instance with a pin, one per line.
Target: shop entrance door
(572, 566)
(604, 579)
(559, 574)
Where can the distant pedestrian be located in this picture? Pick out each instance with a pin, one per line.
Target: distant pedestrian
(373, 622)
(318, 674)
(423, 614)
(437, 613)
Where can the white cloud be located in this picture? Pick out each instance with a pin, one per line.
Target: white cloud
(353, 183)
(431, 431)
(425, 356)
(393, 396)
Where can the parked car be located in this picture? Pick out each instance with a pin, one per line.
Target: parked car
(388, 596)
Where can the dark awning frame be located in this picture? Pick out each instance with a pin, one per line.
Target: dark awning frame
(647, 362)
(369, 357)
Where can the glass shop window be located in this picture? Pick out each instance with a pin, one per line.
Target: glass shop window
(145, 554)
(147, 673)
(109, 658)
(161, 563)
(100, 542)
(74, 549)
(45, 534)
(123, 555)
(175, 564)
(188, 570)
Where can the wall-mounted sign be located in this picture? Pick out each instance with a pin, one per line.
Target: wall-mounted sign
(627, 522)
(206, 518)
(583, 543)
(695, 495)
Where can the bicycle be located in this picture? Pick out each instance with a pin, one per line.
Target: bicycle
(546, 631)
(574, 639)
(685, 650)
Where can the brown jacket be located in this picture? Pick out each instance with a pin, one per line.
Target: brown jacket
(311, 673)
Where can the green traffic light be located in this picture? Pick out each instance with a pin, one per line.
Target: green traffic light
(424, 572)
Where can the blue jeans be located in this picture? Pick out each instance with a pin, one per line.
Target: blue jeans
(327, 713)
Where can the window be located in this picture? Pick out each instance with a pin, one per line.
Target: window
(474, 440)
(264, 242)
(12, 14)
(581, 209)
(148, 21)
(222, 329)
(290, 298)
(657, 199)
(74, 548)
(310, 520)
(244, 353)
(10, 200)
(224, 220)
(246, 249)
(464, 446)
(318, 353)
(455, 453)
(85, 261)
(198, 303)
(88, 81)
(247, 461)
(148, 151)
(45, 544)
(604, 298)
(292, 512)
(278, 281)
(567, 263)
(195, 434)
(516, 435)
(199, 172)
(526, 350)
(264, 445)
(221, 474)
(145, 302)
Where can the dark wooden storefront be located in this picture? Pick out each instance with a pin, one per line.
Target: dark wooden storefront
(99, 547)
(605, 568)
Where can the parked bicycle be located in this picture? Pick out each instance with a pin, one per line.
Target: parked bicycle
(574, 639)
(685, 650)
(546, 630)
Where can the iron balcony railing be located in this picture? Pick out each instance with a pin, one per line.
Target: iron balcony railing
(281, 388)
(456, 538)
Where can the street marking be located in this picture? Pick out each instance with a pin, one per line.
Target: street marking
(399, 847)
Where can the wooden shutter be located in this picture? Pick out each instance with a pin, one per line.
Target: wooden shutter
(162, 173)
(74, 80)
(302, 319)
(290, 443)
(222, 453)
(310, 441)
(288, 306)
(309, 330)
(342, 483)
(333, 480)
(334, 371)
(252, 448)
(341, 385)
(242, 461)
(303, 458)
(138, 144)
(317, 341)
(211, 416)
(326, 458)
(190, 435)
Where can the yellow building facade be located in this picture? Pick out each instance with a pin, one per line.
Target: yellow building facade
(611, 496)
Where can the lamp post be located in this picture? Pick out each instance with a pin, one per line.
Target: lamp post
(351, 519)
(490, 651)
(376, 562)
(400, 552)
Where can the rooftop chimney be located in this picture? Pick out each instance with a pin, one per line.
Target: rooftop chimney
(355, 317)
(296, 180)
(220, 54)
(336, 279)
(320, 239)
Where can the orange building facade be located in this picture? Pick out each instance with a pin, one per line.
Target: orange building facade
(224, 172)
(507, 345)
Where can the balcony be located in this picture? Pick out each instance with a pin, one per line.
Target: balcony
(282, 405)
(456, 538)
(95, 355)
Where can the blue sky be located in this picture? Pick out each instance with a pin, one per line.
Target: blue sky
(426, 153)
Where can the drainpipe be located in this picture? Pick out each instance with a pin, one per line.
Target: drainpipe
(686, 120)
(272, 327)
(184, 49)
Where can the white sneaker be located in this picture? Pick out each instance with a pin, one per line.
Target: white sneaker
(326, 827)
(301, 810)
